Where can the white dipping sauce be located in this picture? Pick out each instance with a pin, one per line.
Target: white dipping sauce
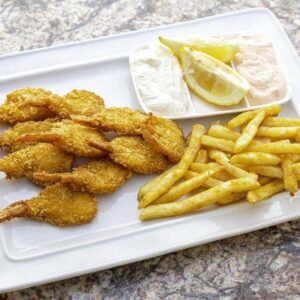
(159, 81)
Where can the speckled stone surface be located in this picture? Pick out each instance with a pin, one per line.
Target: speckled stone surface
(260, 265)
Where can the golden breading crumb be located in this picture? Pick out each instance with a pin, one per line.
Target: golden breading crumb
(38, 158)
(101, 176)
(71, 137)
(135, 154)
(8, 139)
(123, 121)
(57, 204)
(13, 110)
(165, 136)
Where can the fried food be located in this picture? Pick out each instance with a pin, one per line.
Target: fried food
(70, 137)
(57, 204)
(223, 160)
(133, 153)
(268, 164)
(76, 102)
(101, 176)
(219, 131)
(278, 132)
(268, 171)
(247, 116)
(186, 187)
(202, 167)
(201, 156)
(121, 120)
(164, 136)
(218, 143)
(178, 172)
(249, 132)
(255, 158)
(289, 178)
(265, 191)
(38, 158)
(202, 199)
(152, 183)
(234, 197)
(281, 147)
(13, 110)
(281, 122)
(8, 139)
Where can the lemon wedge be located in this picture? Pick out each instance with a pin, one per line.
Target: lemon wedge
(211, 79)
(218, 48)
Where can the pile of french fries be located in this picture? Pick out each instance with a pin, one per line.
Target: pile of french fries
(254, 156)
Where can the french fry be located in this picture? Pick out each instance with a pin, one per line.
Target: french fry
(249, 115)
(296, 169)
(268, 171)
(281, 122)
(255, 158)
(217, 143)
(295, 157)
(185, 187)
(264, 180)
(222, 132)
(223, 175)
(201, 156)
(276, 148)
(219, 131)
(201, 167)
(168, 181)
(232, 198)
(210, 182)
(289, 178)
(152, 183)
(278, 132)
(190, 174)
(222, 159)
(266, 191)
(249, 133)
(261, 140)
(195, 202)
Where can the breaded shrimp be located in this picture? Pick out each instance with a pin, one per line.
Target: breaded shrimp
(133, 153)
(8, 137)
(76, 102)
(14, 110)
(38, 158)
(70, 137)
(123, 121)
(101, 176)
(57, 204)
(165, 136)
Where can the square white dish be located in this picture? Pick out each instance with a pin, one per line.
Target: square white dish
(34, 253)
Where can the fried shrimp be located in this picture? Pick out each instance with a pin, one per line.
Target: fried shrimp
(76, 102)
(123, 121)
(8, 139)
(165, 136)
(133, 153)
(101, 176)
(70, 137)
(38, 158)
(57, 204)
(14, 110)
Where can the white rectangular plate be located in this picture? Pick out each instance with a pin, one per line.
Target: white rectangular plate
(32, 253)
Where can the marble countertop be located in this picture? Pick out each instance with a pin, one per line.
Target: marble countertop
(260, 265)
